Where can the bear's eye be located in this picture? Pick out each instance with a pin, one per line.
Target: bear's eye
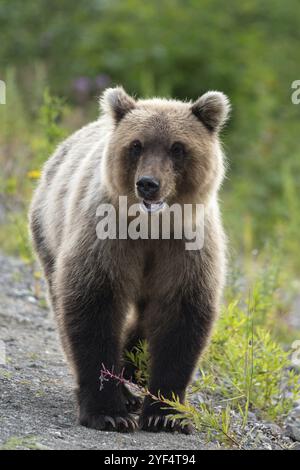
(136, 148)
(177, 150)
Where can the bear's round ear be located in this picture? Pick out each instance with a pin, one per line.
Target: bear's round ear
(212, 109)
(116, 102)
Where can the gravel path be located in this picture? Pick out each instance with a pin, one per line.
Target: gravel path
(37, 408)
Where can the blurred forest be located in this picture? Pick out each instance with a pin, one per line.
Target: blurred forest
(56, 58)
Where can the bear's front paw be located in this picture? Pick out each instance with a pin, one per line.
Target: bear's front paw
(111, 422)
(164, 423)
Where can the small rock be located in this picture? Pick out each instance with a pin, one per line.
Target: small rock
(275, 429)
(20, 293)
(296, 411)
(267, 446)
(40, 446)
(200, 398)
(293, 431)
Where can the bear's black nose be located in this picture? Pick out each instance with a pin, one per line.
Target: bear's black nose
(147, 186)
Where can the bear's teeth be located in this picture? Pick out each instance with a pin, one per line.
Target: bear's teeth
(152, 206)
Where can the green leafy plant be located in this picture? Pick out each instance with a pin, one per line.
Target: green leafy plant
(245, 368)
(139, 357)
(18, 188)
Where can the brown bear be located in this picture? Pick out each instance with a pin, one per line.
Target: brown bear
(154, 152)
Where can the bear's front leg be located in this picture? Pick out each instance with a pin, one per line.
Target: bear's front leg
(175, 344)
(90, 315)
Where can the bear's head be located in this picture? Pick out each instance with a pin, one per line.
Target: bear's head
(164, 151)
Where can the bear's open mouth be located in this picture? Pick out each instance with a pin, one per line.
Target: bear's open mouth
(152, 206)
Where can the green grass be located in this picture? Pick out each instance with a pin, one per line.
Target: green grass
(139, 356)
(27, 149)
(22, 442)
(5, 374)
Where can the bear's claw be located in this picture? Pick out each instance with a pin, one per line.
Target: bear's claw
(110, 423)
(159, 423)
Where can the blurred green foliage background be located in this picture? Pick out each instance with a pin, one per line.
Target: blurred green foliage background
(179, 48)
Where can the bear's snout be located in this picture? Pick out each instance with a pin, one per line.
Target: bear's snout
(147, 187)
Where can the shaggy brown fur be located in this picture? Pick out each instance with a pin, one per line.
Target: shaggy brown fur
(94, 283)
